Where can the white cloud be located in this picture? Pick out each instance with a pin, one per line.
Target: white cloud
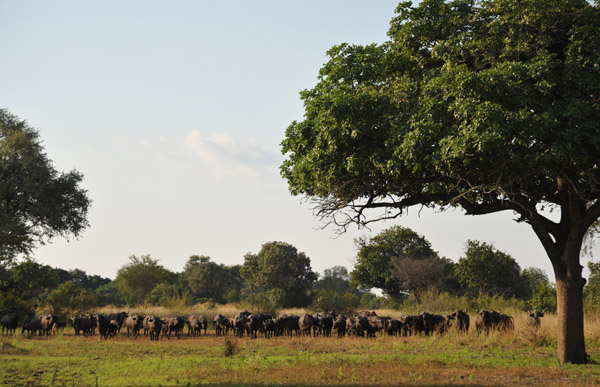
(230, 157)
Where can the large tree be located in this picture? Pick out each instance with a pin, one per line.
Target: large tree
(136, 279)
(486, 270)
(280, 267)
(487, 105)
(376, 256)
(37, 202)
(209, 280)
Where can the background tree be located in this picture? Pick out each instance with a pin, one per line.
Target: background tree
(491, 106)
(211, 281)
(37, 202)
(418, 275)
(136, 279)
(592, 289)
(486, 270)
(336, 279)
(533, 278)
(280, 268)
(375, 257)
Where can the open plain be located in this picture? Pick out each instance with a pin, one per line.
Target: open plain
(524, 357)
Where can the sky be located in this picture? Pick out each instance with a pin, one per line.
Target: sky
(174, 112)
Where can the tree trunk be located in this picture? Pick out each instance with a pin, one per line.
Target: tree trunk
(569, 297)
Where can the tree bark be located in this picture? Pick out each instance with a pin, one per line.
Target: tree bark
(569, 297)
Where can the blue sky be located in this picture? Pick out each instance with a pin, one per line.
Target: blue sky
(174, 111)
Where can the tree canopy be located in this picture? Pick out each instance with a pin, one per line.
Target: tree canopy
(376, 255)
(487, 270)
(487, 105)
(37, 202)
(281, 268)
(136, 279)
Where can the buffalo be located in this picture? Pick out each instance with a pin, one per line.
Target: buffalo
(9, 322)
(133, 324)
(306, 323)
(340, 325)
(154, 326)
(533, 320)
(462, 321)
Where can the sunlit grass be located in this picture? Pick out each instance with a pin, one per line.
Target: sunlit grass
(522, 357)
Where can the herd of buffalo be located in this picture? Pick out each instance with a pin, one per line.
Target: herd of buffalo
(366, 324)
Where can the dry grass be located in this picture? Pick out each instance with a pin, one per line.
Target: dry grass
(497, 359)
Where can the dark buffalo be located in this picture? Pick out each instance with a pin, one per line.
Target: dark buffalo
(377, 323)
(327, 325)
(533, 320)
(306, 323)
(436, 323)
(363, 327)
(113, 328)
(239, 326)
(119, 318)
(202, 324)
(221, 324)
(392, 327)
(412, 324)
(26, 328)
(502, 322)
(462, 321)
(174, 325)
(83, 324)
(9, 322)
(155, 327)
(253, 325)
(269, 328)
(340, 325)
(103, 325)
(485, 321)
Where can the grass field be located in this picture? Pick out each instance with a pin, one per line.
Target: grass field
(521, 358)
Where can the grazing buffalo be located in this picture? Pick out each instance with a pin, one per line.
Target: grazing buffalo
(133, 324)
(26, 328)
(174, 325)
(462, 321)
(9, 322)
(113, 328)
(362, 327)
(221, 324)
(119, 318)
(103, 325)
(326, 324)
(412, 324)
(485, 321)
(239, 326)
(269, 328)
(340, 325)
(436, 323)
(43, 323)
(533, 320)
(253, 325)
(392, 327)
(155, 327)
(83, 324)
(306, 323)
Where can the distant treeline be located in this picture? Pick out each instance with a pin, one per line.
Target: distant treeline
(397, 261)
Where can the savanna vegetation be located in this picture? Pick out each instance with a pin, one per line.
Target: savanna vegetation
(522, 357)
(488, 106)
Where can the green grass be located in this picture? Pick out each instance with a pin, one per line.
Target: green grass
(75, 361)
